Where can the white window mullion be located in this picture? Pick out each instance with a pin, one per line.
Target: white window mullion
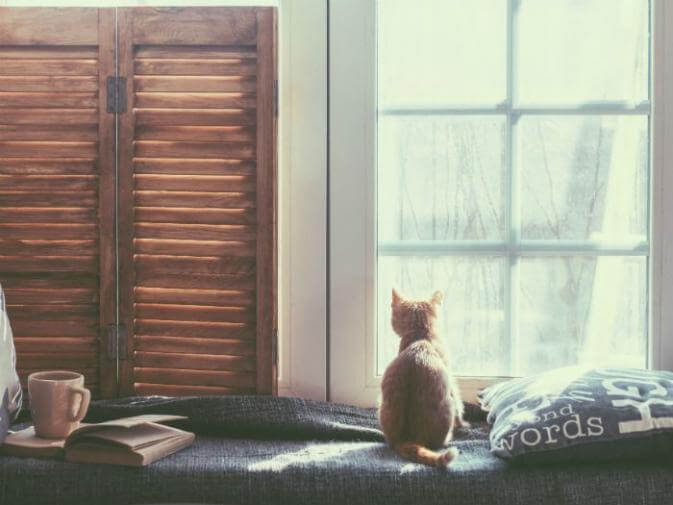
(512, 223)
(598, 109)
(524, 247)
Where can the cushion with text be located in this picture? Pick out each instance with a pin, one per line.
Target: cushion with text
(582, 414)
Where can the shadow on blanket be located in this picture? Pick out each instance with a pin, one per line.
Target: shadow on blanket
(258, 417)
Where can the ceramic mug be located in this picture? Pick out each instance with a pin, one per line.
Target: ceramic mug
(58, 402)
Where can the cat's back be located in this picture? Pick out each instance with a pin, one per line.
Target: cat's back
(421, 355)
(417, 387)
(420, 365)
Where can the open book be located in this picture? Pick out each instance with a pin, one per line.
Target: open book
(131, 441)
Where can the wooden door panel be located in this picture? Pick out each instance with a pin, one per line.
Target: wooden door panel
(189, 26)
(197, 196)
(197, 200)
(57, 188)
(56, 30)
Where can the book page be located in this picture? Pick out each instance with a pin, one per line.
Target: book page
(134, 438)
(125, 423)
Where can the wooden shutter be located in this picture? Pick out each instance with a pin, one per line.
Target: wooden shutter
(197, 200)
(57, 188)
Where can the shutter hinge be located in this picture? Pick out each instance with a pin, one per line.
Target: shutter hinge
(116, 95)
(114, 341)
(274, 347)
(275, 98)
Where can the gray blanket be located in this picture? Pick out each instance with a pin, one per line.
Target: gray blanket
(259, 417)
(341, 460)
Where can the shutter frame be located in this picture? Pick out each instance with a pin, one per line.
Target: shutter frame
(107, 203)
(160, 359)
(58, 303)
(267, 277)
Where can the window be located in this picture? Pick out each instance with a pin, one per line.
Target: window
(505, 160)
(513, 176)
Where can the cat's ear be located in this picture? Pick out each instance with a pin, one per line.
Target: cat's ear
(437, 298)
(396, 297)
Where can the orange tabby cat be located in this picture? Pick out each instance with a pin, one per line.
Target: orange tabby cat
(420, 403)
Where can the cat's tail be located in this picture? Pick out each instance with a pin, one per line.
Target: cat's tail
(419, 454)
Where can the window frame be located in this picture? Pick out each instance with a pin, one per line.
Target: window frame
(302, 199)
(353, 91)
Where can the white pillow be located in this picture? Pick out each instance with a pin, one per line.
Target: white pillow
(10, 388)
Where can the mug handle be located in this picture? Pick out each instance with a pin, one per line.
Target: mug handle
(84, 404)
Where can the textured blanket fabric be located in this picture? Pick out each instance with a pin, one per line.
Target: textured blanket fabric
(360, 470)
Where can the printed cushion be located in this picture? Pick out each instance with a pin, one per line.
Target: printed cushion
(10, 389)
(582, 414)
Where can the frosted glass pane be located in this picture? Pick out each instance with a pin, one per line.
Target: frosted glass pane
(472, 315)
(441, 52)
(441, 178)
(579, 51)
(584, 177)
(582, 310)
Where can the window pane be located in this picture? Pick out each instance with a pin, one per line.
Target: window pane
(579, 51)
(441, 178)
(472, 315)
(441, 52)
(582, 310)
(584, 177)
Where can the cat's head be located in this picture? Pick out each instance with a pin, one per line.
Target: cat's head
(414, 318)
